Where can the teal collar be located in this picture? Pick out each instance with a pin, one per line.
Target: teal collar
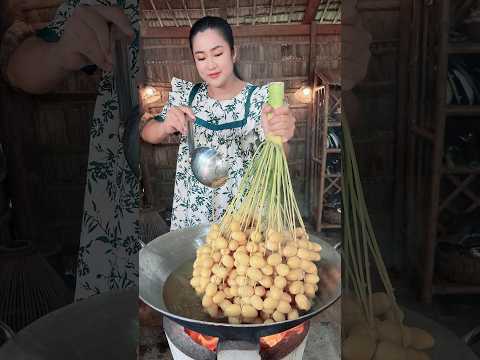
(231, 125)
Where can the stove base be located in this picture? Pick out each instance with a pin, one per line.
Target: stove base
(176, 353)
(237, 350)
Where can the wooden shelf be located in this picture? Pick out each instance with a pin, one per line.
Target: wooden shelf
(426, 164)
(443, 287)
(460, 171)
(331, 226)
(464, 48)
(463, 110)
(327, 102)
(334, 124)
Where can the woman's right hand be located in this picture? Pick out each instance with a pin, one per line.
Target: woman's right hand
(176, 119)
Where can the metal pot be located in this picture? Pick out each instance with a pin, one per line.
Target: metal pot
(165, 271)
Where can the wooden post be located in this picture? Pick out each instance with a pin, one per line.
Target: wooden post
(311, 117)
(439, 114)
(324, 145)
(310, 166)
(400, 239)
(310, 11)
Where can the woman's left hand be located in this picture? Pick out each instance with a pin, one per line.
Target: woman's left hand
(278, 122)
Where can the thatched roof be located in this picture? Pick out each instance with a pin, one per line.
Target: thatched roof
(166, 13)
(182, 13)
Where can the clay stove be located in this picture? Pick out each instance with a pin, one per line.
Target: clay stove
(186, 344)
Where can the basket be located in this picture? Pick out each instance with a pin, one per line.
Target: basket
(456, 264)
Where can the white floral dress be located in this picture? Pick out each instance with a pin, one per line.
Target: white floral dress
(109, 242)
(233, 127)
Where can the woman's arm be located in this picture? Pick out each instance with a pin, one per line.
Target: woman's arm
(154, 132)
(23, 69)
(38, 66)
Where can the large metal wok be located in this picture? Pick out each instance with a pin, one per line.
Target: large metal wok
(165, 273)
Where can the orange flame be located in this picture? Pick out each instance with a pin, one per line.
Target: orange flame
(208, 342)
(211, 342)
(272, 340)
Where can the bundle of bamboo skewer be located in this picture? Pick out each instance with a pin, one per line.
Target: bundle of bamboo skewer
(372, 322)
(258, 265)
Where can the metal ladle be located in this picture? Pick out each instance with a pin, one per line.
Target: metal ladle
(208, 165)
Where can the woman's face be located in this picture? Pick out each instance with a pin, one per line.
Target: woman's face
(213, 57)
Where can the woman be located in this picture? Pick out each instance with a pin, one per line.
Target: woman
(229, 115)
(76, 39)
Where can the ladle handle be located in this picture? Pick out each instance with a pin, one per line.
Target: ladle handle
(191, 144)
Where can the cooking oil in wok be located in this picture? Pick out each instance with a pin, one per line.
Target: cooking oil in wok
(181, 299)
(179, 296)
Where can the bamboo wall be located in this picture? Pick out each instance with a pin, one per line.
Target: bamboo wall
(261, 60)
(376, 134)
(47, 140)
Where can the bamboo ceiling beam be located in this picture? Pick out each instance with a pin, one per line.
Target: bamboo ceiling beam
(156, 13)
(337, 15)
(172, 13)
(325, 10)
(265, 9)
(254, 12)
(291, 11)
(271, 12)
(310, 11)
(203, 7)
(246, 31)
(186, 13)
(238, 12)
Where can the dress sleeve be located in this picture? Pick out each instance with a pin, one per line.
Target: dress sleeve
(54, 30)
(177, 97)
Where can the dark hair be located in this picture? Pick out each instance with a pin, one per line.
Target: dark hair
(219, 24)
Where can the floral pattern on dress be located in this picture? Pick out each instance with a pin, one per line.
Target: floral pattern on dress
(109, 243)
(194, 203)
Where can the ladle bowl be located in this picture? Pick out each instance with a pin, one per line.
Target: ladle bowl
(208, 165)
